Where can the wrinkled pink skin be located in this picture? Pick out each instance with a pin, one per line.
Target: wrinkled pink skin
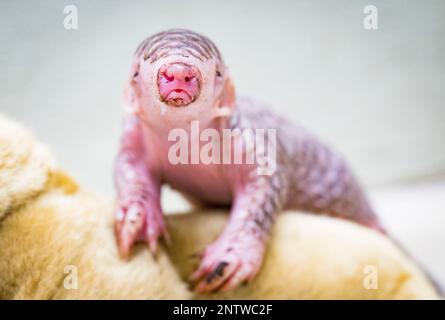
(308, 176)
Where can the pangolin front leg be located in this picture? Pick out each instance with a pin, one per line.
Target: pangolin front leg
(138, 214)
(236, 256)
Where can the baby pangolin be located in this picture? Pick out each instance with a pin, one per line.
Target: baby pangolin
(177, 77)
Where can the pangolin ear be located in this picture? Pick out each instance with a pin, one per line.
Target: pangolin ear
(131, 89)
(227, 101)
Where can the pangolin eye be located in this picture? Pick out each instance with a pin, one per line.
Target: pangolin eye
(218, 73)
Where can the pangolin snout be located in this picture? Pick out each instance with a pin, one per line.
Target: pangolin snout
(179, 84)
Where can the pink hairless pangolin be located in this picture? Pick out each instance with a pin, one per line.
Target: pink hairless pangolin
(176, 77)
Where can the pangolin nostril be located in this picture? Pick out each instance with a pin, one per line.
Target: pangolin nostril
(168, 77)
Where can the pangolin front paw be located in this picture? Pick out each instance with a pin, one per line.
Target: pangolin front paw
(138, 220)
(228, 262)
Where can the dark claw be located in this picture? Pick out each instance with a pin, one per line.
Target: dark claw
(217, 272)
